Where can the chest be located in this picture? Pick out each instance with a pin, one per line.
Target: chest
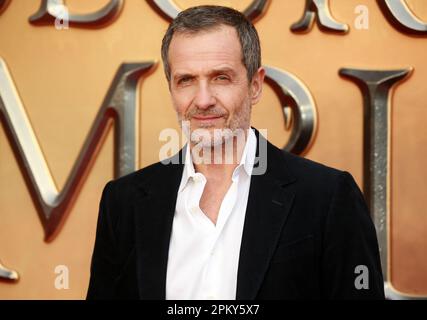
(212, 198)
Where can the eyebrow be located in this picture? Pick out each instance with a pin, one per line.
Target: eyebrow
(223, 70)
(182, 75)
(214, 71)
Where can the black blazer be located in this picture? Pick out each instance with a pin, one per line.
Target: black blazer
(306, 230)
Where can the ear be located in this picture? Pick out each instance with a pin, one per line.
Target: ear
(256, 85)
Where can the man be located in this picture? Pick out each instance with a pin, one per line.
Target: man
(212, 229)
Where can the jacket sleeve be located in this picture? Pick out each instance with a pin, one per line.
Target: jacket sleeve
(351, 267)
(103, 271)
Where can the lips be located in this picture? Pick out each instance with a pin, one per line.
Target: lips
(204, 118)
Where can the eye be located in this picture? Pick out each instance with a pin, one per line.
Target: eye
(222, 77)
(184, 80)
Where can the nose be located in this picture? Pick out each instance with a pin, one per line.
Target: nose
(204, 98)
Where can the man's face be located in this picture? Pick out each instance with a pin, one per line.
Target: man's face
(209, 84)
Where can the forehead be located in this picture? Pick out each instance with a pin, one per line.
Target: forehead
(205, 49)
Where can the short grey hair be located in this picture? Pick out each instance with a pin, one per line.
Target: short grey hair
(207, 17)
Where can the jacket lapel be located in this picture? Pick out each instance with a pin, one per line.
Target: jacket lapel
(269, 203)
(154, 212)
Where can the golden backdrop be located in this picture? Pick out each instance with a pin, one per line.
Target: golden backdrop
(62, 77)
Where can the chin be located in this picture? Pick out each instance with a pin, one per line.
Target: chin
(211, 136)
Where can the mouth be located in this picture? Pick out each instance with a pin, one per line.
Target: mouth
(209, 117)
(206, 119)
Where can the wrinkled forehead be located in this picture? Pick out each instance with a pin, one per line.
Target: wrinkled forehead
(220, 45)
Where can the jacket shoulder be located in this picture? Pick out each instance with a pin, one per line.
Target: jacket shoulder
(309, 169)
(318, 181)
(315, 178)
(140, 176)
(119, 193)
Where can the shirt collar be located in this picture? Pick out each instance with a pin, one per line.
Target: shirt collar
(247, 161)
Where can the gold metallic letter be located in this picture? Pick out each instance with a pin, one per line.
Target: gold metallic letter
(376, 87)
(298, 107)
(319, 10)
(401, 17)
(119, 105)
(8, 275)
(3, 5)
(49, 12)
(170, 10)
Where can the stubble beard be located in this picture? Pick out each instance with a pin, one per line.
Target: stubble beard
(207, 136)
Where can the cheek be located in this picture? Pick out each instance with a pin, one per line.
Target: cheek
(181, 102)
(235, 103)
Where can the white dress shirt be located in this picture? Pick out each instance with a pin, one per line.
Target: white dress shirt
(204, 257)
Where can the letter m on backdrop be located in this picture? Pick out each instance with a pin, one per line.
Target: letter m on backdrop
(119, 107)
